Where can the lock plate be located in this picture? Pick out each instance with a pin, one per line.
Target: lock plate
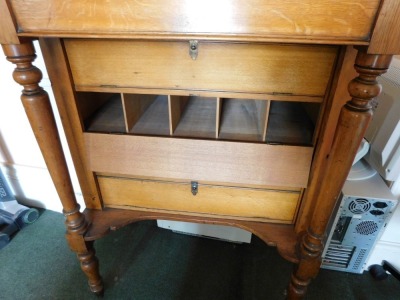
(194, 187)
(193, 49)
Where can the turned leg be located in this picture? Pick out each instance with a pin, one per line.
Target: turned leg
(88, 260)
(353, 121)
(38, 109)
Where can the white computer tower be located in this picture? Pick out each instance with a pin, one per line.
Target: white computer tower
(362, 213)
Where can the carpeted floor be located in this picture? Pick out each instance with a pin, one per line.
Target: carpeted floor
(144, 262)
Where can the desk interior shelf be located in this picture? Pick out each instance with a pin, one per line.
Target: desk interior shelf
(101, 112)
(292, 122)
(230, 119)
(195, 117)
(146, 114)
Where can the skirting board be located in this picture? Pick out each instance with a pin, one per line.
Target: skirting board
(385, 251)
(33, 186)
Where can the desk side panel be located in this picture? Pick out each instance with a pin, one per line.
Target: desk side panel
(62, 85)
(386, 35)
(8, 29)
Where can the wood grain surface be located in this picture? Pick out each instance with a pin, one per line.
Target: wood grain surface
(199, 160)
(281, 236)
(8, 26)
(243, 68)
(264, 205)
(386, 35)
(62, 86)
(306, 19)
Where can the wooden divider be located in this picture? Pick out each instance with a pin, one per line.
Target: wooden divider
(176, 106)
(263, 111)
(134, 106)
(218, 117)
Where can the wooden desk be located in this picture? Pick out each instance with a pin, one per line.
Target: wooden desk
(218, 112)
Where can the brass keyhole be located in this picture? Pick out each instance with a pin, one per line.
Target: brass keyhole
(193, 49)
(194, 187)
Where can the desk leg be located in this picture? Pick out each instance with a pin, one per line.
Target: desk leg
(353, 121)
(38, 109)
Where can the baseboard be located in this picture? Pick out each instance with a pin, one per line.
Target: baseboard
(388, 251)
(32, 186)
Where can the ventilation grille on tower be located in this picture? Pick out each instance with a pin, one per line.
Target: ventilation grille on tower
(360, 259)
(359, 206)
(356, 224)
(367, 227)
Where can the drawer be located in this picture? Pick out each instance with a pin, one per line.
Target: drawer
(259, 69)
(266, 205)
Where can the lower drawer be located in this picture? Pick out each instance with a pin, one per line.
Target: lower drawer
(265, 205)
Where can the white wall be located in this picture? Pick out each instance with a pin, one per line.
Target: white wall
(20, 158)
(388, 247)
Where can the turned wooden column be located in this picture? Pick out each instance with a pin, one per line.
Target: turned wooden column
(38, 109)
(353, 121)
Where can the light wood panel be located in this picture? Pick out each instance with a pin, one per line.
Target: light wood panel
(218, 117)
(244, 68)
(259, 204)
(177, 105)
(306, 19)
(199, 160)
(263, 108)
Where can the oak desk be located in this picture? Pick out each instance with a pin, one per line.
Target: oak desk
(221, 112)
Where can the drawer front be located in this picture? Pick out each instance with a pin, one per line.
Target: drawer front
(226, 163)
(218, 201)
(219, 67)
(336, 19)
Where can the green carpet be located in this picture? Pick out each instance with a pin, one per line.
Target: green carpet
(144, 262)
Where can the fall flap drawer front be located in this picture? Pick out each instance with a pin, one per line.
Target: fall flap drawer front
(312, 19)
(218, 67)
(265, 205)
(222, 162)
